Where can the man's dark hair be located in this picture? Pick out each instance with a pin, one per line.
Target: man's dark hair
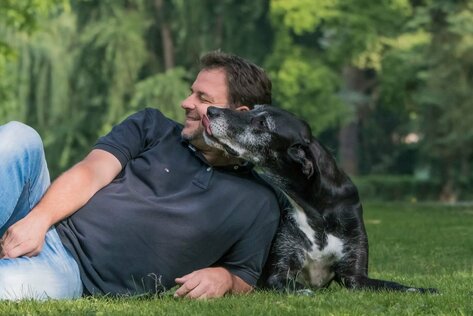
(247, 83)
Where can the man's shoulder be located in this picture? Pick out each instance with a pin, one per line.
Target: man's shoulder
(148, 119)
(156, 123)
(260, 193)
(273, 194)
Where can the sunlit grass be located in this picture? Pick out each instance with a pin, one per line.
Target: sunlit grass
(415, 244)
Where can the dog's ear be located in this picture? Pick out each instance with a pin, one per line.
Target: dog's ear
(298, 154)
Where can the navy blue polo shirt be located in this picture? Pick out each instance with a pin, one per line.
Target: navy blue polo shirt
(167, 213)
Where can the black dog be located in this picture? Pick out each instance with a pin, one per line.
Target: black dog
(322, 236)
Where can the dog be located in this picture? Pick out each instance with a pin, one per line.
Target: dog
(321, 237)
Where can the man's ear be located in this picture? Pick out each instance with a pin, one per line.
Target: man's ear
(298, 154)
(242, 108)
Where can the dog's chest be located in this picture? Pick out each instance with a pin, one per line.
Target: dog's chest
(320, 257)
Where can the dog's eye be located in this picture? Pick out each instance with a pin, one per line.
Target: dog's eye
(259, 122)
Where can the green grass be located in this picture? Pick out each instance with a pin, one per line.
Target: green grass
(415, 244)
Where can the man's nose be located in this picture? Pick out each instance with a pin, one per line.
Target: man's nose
(187, 103)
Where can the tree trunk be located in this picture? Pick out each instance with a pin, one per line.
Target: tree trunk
(348, 148)
(348, 135)
(166, 35)
(219, 20)
(357, 94)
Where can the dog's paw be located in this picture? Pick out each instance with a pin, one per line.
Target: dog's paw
(423, 290)
(305, 292)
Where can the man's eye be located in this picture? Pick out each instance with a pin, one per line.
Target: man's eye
(204, 98)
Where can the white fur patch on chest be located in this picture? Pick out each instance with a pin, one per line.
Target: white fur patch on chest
(317, 266)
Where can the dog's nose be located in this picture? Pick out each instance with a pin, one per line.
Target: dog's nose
(213, 111)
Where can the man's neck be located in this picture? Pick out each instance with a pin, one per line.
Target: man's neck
(214, 156)
(218, 158)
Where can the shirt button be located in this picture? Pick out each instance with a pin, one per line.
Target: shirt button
(209, 168)
(235, 167)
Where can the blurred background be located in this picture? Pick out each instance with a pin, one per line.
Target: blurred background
(386, 85)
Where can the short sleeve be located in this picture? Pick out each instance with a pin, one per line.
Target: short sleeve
(248, 255)
(134, 135)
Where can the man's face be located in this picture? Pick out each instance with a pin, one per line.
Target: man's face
(209, 88)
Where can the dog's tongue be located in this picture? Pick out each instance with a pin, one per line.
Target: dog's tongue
(206, 124)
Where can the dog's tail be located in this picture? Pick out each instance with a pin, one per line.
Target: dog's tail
(366, 283)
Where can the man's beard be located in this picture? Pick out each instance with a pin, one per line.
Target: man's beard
(196, 138)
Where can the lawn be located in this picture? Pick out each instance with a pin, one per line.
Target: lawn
(424, 245)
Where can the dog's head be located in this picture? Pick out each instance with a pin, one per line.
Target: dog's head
(267, 136)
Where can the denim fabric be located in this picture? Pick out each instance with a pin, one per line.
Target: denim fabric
(24, 178)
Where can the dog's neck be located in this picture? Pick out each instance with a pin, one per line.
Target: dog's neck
(325, 188)
(296, 186)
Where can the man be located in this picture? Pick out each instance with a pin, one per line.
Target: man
(150, 206)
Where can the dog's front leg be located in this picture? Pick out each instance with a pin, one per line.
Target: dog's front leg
(284, 284)
(285, 271)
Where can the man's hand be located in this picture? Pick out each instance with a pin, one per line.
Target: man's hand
(24, 238)
(206, 283)
(68, 193)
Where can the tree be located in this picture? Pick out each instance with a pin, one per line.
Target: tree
(341, 45)
(445, 98)
(18, 17)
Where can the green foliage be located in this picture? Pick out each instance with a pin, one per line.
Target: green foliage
(24, 14)
(395, 114)
(413, 49)
(445, 99)
(16, 16)
(85, 69)
(72, 69)
(234, 26)
(349, 30)
(164, 91)
(113, 51)
(304, 15)
(9, 109)
(307, 88)
(301, 83)
(69, 84)
(316, 40)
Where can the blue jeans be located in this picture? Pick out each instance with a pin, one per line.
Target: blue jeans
(24, 178)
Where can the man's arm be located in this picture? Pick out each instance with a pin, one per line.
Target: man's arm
(64, 197)
(210, 283)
